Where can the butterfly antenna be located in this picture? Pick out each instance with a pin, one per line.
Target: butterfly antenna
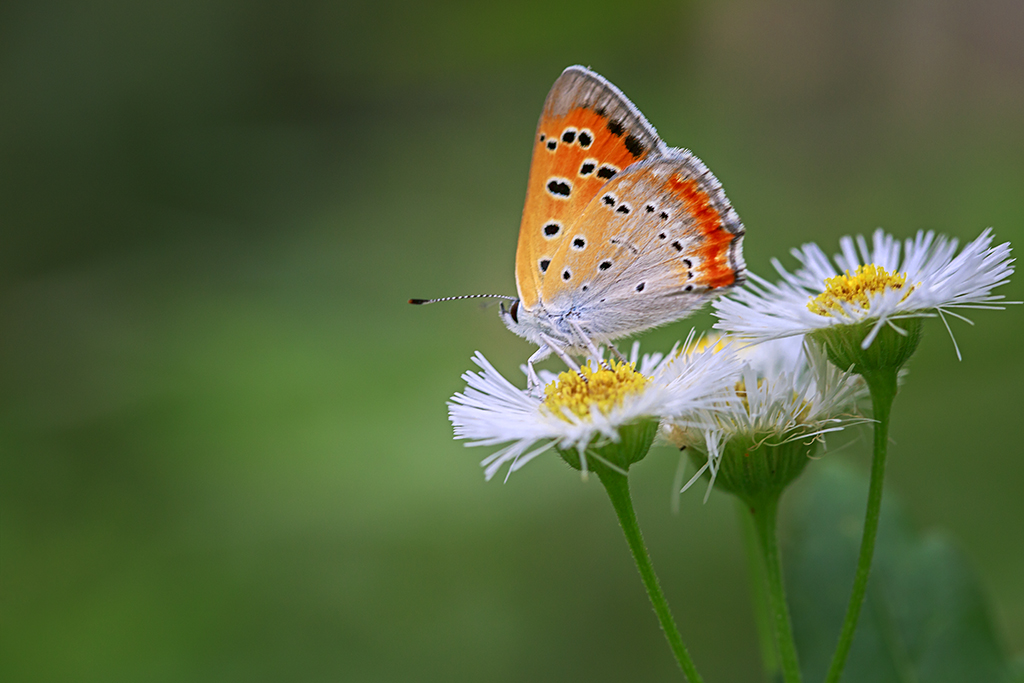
(420, 302)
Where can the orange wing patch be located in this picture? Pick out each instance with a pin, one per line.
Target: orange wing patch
(574, 155)
(716, 271)
(588, 134)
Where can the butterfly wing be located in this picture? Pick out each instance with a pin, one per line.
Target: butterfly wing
(657, 241)
(588, 133)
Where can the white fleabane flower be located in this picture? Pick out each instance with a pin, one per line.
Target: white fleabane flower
(785, 389)
(870, 286)
(783, 399)
(609, 415)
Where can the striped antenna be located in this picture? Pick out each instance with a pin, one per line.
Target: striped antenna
(464, 296)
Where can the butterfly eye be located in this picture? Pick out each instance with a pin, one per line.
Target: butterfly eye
(513, 311)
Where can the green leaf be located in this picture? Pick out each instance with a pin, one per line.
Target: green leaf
(925, 618)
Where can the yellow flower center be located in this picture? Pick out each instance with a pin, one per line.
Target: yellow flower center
(603, 388)
(857, 289)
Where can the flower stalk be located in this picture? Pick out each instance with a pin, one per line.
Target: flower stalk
(759, 594)
(617, 486)
(765, 515)
(882, 385)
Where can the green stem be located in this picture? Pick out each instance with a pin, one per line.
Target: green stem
(759, 594)
(765, 516)
(882, 385)
(617, 486)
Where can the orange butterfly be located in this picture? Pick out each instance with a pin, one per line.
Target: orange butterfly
(620, 232)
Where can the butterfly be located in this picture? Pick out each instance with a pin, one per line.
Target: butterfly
(620, 233)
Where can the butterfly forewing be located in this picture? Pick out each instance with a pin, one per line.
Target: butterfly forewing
(588, 134)
(653, 242)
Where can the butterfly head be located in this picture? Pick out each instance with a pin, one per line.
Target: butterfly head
(526, 323)
(535, 325)
(510, 316)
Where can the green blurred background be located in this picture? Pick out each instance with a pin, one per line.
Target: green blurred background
(224, 452)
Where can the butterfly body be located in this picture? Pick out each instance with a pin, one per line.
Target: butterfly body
(620, 233)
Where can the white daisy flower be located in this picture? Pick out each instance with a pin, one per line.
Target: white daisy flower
(610, 417)
(871, 286)
(783, 399)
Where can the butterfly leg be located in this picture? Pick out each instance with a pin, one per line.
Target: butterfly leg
(560, 352)
(617, 353)
(532, 380)
(589, 344)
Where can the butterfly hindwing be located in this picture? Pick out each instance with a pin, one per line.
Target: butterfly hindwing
(654, 242)
(588, 134)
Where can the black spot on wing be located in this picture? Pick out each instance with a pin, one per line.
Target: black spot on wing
(677, 246)
(559, 188)
(552, 229)
(569, 136)
(606, 172)
(579, 243)
(635, 147)
(640, 287)
(544, 263)
(587, 168)
(616, 128)
(605, 265)
(566, 275)
(552, 144)
(585, 138)
(623, 209)
(608, 199)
